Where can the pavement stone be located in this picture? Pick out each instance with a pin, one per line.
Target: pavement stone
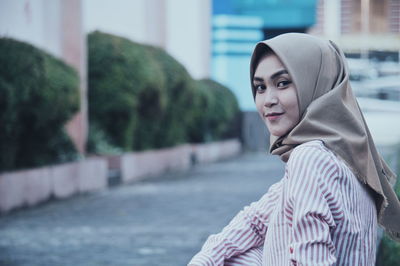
(160, 221)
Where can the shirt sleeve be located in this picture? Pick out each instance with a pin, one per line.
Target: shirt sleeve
(246, 230)
(314, 204)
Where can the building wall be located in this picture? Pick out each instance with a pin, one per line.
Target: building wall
(180, 27)
(119, 17)
(381, 32)
(318, 28)
(279, 14)
(255, 135)
(394, 16)
(346, 9)
(74, 52)
(380, 12)
(60, 27)
(234, 38)
(26, 21)
(189, 34)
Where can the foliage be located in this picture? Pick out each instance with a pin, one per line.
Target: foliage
(38, 94)
(388, 253)
(389, 250)
(98, 142)
(123, 78)
(140, 97)
(181, 91)
(219, 111)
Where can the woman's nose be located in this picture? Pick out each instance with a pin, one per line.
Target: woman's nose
(270, 98)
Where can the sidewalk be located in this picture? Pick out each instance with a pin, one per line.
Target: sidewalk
(163, 221)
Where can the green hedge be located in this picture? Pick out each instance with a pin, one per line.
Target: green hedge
(388, 253)
(121, 74)
(216, 113)
(140, 97)
(38, 94)
(171, 127)
(389, 250)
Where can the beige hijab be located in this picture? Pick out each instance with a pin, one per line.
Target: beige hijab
(329, 112)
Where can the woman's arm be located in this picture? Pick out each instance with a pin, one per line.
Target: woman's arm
(246, 230)
(314, 206)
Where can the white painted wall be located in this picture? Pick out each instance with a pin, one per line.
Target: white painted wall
(179, 26)
(189, 34)
(332, 19)
(35, 21)
(233, 72)
(120, 17)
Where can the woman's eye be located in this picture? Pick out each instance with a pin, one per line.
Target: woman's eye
(283, 83)
(260, 88)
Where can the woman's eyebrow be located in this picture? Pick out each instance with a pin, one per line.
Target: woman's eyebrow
(280, 72)
(258, 79)
(273, 76)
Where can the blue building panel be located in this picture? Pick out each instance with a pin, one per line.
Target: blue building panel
(225, 7)
(286, 17)
(275, 13)
(239, 24)
(234, 38)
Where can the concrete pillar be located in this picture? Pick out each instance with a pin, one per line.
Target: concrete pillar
(73, 51)
(332, 19)
(156, 23)
(188, 34)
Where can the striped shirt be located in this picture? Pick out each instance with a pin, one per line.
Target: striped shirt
(317, 214)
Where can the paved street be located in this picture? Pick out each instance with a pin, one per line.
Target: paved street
(162, 221)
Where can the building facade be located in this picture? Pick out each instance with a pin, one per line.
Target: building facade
(182, 28)
(55, 26)
(359, 26)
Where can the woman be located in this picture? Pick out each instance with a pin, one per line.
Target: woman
(336, 187)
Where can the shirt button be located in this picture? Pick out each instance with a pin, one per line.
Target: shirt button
(291, 250)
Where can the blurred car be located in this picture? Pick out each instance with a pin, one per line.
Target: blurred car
(383, 88)
(388, 68)
(362, 69)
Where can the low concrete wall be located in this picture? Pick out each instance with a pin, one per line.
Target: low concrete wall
(30, 187)
(255, 135)
(138, 165)
(205, 153)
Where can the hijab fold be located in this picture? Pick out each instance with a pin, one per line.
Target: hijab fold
(329, 112)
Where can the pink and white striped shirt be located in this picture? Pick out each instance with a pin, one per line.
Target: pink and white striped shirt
(318, 214)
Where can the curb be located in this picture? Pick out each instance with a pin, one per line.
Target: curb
(33, 186)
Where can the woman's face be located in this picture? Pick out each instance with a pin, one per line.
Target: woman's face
(276, 95)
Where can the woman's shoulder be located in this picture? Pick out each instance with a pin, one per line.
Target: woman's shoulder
(312, 147)
(311, 165)
(312, 154)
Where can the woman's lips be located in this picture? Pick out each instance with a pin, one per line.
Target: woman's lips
(273, 116)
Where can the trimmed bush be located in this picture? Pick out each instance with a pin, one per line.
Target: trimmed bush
(199, 128)
(140, 98)
(388, 253)
(218, 115)
(38, 95)
(99, 143)
(389, 250)
(171, 127)
(124, 81)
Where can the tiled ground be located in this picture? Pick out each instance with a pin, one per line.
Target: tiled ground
(162, 221)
